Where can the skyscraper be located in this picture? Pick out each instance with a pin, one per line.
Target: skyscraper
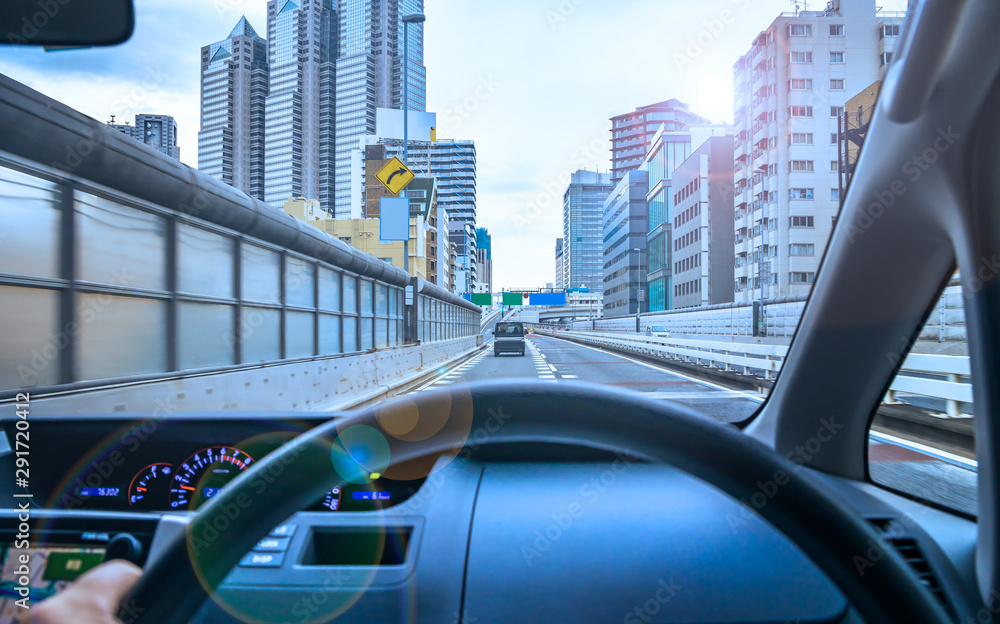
(369, 75)
(790, 89)
(156, 131)
(233, 88)
(583, 245)
(299, 108)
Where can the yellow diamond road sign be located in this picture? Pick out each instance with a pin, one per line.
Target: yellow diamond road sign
(394, 176)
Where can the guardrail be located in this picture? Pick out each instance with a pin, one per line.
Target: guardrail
(780, 318)
(765, 360)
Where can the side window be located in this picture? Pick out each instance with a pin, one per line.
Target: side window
(921, 441)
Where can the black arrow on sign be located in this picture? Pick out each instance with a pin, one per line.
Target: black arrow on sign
(392, 175)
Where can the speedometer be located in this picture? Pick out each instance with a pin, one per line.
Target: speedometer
(204, 474)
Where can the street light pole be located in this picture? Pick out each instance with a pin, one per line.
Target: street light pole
(638, 270)
(413, 18)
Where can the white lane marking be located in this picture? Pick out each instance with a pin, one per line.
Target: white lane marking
(570, 377)
(448, 376)
(745, 395)
(945, 456)
(543, 368)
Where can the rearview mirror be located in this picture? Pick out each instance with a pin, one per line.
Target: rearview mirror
(71, 23)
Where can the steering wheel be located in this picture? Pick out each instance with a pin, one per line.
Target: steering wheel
(419, 428)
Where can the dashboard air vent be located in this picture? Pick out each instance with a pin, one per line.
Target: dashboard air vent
(908, 548)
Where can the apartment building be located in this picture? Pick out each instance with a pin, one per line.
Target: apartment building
(790, 89)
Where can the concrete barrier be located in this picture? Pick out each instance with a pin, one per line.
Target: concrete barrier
(324, 384)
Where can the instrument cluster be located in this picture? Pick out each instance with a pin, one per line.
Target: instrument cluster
(187, 484)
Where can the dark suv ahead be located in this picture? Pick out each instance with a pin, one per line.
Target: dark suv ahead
(508, 338)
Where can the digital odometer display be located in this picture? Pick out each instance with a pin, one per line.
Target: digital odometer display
(204, 474)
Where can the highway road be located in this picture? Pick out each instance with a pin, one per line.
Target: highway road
(931, 473)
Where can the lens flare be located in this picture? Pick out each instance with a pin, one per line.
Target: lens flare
(358, 452)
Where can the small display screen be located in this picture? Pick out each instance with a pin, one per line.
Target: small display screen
(366, 495)
(37, 572)
(101, 491)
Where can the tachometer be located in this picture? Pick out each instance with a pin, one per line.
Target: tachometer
(204, 474)
(148, 489)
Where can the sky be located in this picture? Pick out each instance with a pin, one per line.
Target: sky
(532, 82)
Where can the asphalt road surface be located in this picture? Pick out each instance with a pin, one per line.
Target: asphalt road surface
(895, 462)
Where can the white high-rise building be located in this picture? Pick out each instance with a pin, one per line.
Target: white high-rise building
(790, 88)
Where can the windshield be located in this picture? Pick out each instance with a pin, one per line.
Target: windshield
(549, 177)
(509, 329)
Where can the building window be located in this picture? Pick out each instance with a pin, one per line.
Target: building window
(801, 111)
(889, 30)
(801, 277)
(800, 222)
(836, 84)
(800, 165)
(837, 57)
(800, 57)
(886, 58)
(836, 111)
(835, 194)
(802, 250)
(801, 84)
(800, 193)
(800, 30)
(833, 138)
(801, 138)
(836, 30)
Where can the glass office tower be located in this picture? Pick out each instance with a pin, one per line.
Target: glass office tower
(369, 76)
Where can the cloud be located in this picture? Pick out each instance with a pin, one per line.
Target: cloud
(533, 82)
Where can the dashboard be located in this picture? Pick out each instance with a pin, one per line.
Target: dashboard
(499, 537)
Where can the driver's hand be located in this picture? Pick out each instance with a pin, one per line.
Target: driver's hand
(93, 598)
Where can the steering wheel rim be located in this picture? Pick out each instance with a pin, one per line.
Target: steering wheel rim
(431, 423)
